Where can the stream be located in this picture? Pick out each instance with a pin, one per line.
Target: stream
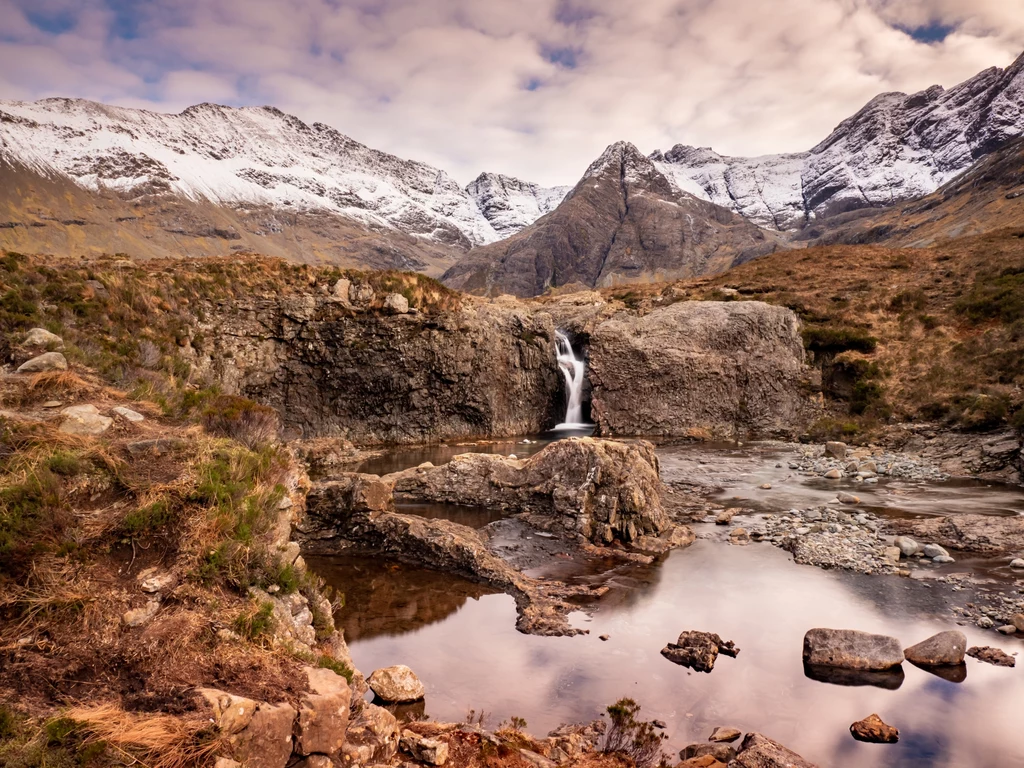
(460, 637)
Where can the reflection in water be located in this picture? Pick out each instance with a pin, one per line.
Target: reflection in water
(469, 655)
(397, 459)
(470, 516)
(890, 679)
(385, 598)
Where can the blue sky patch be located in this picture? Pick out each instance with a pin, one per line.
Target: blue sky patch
(932, 33)
(54, 23)
(563, 57)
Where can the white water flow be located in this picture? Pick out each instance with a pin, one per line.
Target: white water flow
(574, 369)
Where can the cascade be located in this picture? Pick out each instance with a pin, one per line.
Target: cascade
(573, 368)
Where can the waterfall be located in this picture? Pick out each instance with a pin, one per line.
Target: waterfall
(574, 370)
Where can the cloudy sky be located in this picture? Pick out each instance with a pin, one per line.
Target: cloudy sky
(535, 88)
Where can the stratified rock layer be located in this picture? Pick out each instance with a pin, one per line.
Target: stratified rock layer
(727, 368)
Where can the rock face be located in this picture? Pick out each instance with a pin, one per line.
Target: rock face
(624, 222)
(725, 367)
(372, 737)
(851, 649)
(698, 650)
(510, 204)
(323, 714)
(396, 685)
(258, 734)
(759, 751)
(873, 730)
(896, 148)
(481, 371)
(944, 648)
(603, 490)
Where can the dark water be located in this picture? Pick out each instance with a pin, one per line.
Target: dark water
(462, 642)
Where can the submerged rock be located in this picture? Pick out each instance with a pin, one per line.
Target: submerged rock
(851, 649)
(991, 655)
(396, 685)
(946, 647)
(873, 730)
(698, 650)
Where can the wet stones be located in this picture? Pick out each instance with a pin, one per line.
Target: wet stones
(873, 730)
(908, 547)
(698, 650)
(991, 655)
(847, 498)
(851, 649)
(938, 650)
(726, 515)
(834, 474)
(397, 684)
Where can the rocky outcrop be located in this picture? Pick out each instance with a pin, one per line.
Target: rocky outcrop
(987, 535)
(725, 368)
(602, 490)
(358, 373)
(624, 222)
(396, 684)
(698, 650)
(759, 751)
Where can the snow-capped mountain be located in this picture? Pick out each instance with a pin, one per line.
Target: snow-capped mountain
(510, 204)
(896, 148)
(239, 157)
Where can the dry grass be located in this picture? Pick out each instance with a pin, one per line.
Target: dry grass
(148, 740)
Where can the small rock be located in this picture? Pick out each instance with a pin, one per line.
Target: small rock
(891, 554)
(907, 545)
(991, 655)
(847, 498)
(704, 761)
(985, 623)
(726, 515)
(140, 616)
(150, 581)
(429, 751)
(48, 361)
(1007, 629)
(698, 650)
(766, 486)
(605, 638)
(84, 420)
(758, 751)
(1017, 563)
(128, 413)
(52, 404)
(944, 648)
(40, 337)
(725, 734)
(396, 304)
(873, 730)
(397, 684)
(868, 466)
(739, 536)
(943, 559)
(934, 550)
(1018, 622)
(834, 474)
(835, 450)
(723, 753)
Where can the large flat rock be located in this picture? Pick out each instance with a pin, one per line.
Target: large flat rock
(851, 649)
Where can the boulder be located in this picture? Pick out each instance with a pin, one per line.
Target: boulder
(873, 730)
(1018, 622)
(834, 474)
(372, 736)
(396, 685)
(759, 751)
(424, 750)
(603, 490)
(396, 304)
(847, 498)
(851, 649)
(908, 547)
(934, 550)
(340, 292)
(48, 361)
(698, 650)
(991, 655)
(84, 420)
(724, 368)
(40, 337)
(835, 450)
(323, 714)
(704, 761)
(725, 734)
(946, 647)
(723, 753)
(1017, 563)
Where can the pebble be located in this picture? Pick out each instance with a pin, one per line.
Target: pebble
(605, 638)
(834, 474)
(766, 486)
(985, 623)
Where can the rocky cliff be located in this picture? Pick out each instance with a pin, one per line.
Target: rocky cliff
(725, 369)
(623, 222)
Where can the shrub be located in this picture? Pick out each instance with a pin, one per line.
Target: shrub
(255, 623)
(65, 464)
(33, 518)
(636, 739)
(998, 296)
(148, 519)
(249, 423)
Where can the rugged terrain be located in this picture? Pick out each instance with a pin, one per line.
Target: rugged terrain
(623, 222)
(897, 148)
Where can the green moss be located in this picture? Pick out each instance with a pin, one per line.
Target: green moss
(255, 623)
(337, 667)
(149, 519)
(65, 464)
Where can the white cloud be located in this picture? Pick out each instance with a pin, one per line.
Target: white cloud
(536, 88)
